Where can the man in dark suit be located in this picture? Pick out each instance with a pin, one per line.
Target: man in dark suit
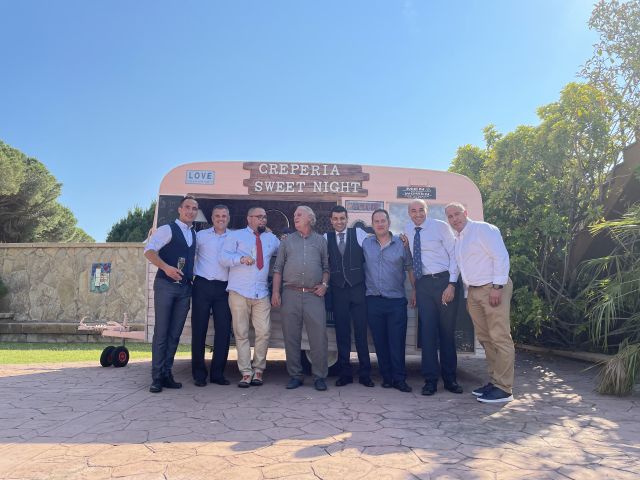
(346, 283)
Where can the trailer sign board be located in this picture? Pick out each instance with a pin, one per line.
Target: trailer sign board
(200, 177)
(417, 192)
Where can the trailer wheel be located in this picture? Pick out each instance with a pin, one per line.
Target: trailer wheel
(106, 358)
(332, 361)
(120, 357)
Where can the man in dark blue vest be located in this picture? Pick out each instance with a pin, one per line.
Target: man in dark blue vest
(347, 291)
(172, 249)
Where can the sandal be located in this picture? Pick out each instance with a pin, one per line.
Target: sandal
(256, 381)
(245, 382)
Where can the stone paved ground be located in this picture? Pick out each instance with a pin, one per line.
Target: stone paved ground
(81, 421)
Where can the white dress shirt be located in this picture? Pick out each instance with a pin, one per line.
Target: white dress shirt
(360, 236)
(437, 247)
(162, 236)
(481, 255)
(247, 280)
(208, 250)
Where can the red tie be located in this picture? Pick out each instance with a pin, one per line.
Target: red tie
(259, 259)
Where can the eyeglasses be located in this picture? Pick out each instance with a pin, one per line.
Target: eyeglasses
(259, 217)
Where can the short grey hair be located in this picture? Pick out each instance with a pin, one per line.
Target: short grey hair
(311, 213)
(458, 205)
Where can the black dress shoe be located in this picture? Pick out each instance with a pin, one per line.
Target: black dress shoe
(156, 386)
(220, 381)
(429, 388)
(402, 386)
(387, 384)
(367, 382)
(342, 381)
(453, 387)
(320, 384)
(200, 383)
(294, 383)
(169, 382)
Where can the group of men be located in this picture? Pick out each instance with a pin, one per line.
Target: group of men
(360, 277)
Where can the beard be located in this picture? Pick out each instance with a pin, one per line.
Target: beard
(261, 229)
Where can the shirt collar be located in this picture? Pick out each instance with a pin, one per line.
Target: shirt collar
(183, 225)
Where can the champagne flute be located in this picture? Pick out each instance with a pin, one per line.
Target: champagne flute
(181, 263)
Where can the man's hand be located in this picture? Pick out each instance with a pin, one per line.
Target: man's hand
(173, 272)
(276, 301)
(412, 298)
(404, 239)
(495, 297)
(246, 260)
(320, 290)
(448, 294)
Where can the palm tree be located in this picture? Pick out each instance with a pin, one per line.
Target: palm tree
(613, 301)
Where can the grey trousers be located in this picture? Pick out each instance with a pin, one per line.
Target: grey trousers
(171, 303)
(300, 308)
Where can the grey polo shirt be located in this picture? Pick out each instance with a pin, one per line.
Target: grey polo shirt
(302, 261)
(385, 267)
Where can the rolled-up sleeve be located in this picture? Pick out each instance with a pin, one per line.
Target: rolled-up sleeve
(278, 266)
(160, 238)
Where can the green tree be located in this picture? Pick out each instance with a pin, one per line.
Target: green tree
(29, 210)
(134, 227)
(614, 67)
(613, 301)
(541, 187)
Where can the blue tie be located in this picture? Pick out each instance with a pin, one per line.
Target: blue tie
(417, 254)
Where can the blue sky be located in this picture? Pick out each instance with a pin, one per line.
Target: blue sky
(111, 95)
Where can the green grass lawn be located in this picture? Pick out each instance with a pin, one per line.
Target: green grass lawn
(13, 353)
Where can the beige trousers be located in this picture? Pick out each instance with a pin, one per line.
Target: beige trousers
(493, 329)
(244, 312)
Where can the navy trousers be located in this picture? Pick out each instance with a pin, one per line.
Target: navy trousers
(349, 308)
(171, 304)
(437, 326)
(388, 324)
(210, 296)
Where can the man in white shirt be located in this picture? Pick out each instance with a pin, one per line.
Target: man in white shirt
(172, 249)
(210, 295)
(347, 289)
(436, 272)
(484, 265)
(247, 253)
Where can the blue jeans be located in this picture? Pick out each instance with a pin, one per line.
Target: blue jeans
(171, 303)
(388, 324)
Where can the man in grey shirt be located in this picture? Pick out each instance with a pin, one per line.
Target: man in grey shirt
(302, 269)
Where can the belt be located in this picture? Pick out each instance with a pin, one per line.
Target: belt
(300, 289)
(214, 280)
(436, 275)
(479, 286)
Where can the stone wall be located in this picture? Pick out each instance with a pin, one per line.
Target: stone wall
(49, 282)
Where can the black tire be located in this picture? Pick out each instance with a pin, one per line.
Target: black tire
(306, 364)
(120, 357)
(106, 358)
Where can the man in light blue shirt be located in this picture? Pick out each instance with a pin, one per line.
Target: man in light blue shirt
(247, 253)
(210, 296)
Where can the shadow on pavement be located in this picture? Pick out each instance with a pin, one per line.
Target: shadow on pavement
(84, 420)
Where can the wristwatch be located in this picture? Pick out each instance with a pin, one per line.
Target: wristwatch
(497, 287)
(325, 284)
